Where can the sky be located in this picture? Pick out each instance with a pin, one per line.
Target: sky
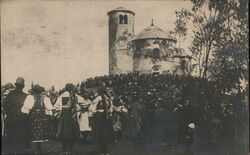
(59, 41)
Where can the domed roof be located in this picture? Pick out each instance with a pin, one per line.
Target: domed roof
(153, 32)
(122, 9)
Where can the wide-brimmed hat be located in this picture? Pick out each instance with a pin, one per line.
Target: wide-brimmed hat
(37, 89)
(19, 81)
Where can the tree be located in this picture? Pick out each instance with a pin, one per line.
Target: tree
(220, 40)
(203, 20)
(230, 64)
(180, 30)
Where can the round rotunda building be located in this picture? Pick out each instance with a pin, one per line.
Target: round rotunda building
(154, 51)
(151, 51)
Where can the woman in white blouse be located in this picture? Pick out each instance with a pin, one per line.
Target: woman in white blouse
(38, 106)
(68, 128)
(84, 124)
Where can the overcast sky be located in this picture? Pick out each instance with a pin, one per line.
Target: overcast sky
(58, 41)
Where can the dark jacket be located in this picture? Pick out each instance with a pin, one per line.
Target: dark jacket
(13, 105)
(17, 135)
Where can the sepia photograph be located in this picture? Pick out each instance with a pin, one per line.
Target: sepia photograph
(124, 77)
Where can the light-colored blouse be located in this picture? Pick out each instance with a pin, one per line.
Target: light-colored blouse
(58, 105)
(30, 101)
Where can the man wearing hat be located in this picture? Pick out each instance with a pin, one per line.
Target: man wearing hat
(15, 120)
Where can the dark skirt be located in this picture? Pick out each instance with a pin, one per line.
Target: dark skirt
(52, 127)
(39, 126)
(103, 128)
(68, 127)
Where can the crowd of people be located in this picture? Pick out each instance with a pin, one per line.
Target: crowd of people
(150, 109)
(218, 116)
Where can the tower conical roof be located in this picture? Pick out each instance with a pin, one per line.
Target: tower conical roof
(153, 32)
(122, 9)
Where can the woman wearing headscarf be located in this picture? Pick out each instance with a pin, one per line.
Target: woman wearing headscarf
(137, 118)
(68, 128)
(38, 106)
(103, 125)
(84, 124)
(118, 110)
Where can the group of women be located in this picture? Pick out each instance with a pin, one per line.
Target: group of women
(76, 114)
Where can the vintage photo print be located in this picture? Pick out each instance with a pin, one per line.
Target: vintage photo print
(142, 77)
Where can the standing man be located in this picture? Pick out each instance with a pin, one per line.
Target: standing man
(16, 121)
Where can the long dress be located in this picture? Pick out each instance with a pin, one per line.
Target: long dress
(38, 107)
(117, 117)
(138, 112)
(68, 127)
(103, 124)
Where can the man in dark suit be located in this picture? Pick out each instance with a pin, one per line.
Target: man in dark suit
(16, 122)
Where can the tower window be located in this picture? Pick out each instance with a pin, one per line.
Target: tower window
(123, 19)
(183, 64)
(156, 53)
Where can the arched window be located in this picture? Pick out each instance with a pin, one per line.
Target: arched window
(123, 19)
(156, 70)
(183, 64)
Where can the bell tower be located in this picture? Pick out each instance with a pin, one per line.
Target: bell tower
(121, 31)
